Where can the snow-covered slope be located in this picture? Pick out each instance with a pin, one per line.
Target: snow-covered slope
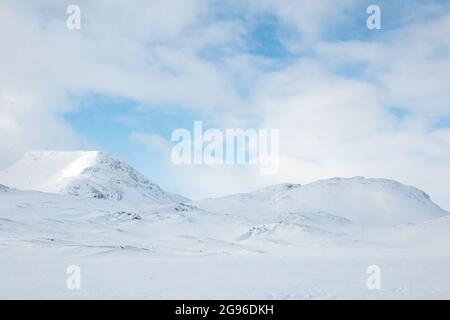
(363, 201)
(92, 174)
(305, 242)
(3, 188)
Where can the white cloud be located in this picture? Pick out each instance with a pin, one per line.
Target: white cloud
(146, 52)
(152, 51)
(153, 141)
(25, 124)
(343, 125)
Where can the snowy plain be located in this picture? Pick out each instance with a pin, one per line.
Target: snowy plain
(133, 240)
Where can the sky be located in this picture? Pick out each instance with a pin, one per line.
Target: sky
(348, 101)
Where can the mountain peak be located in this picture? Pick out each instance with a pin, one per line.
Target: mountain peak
(385, 185)
(95, 174)
(364, 201)
(278, 187)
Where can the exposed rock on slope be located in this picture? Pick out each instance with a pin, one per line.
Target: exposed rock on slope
(92, 174)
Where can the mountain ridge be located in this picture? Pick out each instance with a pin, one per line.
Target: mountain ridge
(365, 201)
(94, 174)
(97, 174)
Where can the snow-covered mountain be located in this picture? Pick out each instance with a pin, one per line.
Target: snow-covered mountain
(305, 241)
(92, 174)
(360, 200)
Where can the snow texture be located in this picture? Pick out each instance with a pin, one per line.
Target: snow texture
(287, 241)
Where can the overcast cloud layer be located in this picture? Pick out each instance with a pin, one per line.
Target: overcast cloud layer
(347, 101)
